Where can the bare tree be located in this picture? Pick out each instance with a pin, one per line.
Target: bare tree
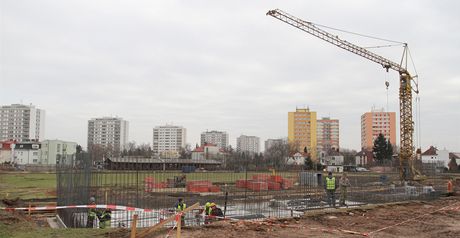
(276, 156)
(97, 152)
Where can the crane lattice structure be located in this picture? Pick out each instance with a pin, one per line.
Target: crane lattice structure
(406, 155)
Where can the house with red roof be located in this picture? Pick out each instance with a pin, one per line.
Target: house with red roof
(437, 156)
(207, 151)
(456, 156)
(364, 158)
(297, 158)
(6, 151)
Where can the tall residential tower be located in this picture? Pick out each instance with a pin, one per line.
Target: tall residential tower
(247, 144)
(375, 122)
(302, 130)
(168, 140)
(218, 138)
(328, 134)
(22, 123)
(108, 132)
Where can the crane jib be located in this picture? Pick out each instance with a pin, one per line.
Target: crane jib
(405, 88)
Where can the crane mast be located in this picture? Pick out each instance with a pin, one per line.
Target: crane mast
(406, 157)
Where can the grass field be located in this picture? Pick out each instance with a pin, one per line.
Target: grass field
(12, 225)
(27, 185)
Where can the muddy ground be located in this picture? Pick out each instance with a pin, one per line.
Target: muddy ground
(439, 218)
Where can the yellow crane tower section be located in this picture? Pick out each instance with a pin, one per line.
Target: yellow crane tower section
(406, 155)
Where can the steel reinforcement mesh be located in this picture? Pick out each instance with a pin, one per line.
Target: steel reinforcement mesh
(240, 195)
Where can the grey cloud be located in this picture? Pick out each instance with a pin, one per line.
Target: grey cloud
(222, 65)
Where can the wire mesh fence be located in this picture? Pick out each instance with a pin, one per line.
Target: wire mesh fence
(240, 195)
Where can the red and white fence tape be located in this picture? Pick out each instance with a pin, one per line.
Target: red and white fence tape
(99, 206)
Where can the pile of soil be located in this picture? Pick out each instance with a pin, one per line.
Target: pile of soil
(17, 202)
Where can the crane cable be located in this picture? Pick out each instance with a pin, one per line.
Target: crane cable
(417, 104)
(381, 46)
(387, 84)
(358, 34)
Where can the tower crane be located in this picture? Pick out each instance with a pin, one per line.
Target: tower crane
(406, 155)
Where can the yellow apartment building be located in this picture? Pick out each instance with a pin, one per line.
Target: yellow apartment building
(302, 130)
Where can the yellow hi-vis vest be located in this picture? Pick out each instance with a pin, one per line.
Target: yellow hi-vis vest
(330, 183)
(181, 207)
(207, 208)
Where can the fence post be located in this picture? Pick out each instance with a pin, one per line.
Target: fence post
(226, 198)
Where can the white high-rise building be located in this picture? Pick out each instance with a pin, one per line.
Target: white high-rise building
(249, 144)
(168, 139)
(21, 122)
(108, 132)
(218, 138)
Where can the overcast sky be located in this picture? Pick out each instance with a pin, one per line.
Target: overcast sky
(224, 65)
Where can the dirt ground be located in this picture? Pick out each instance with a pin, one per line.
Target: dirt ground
(440, 218)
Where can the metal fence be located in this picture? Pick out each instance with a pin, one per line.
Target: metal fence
(240, 195)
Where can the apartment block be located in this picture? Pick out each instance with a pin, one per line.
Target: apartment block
(21, 123)
(218, 138)
(57, 152)
(302, 129)
(250, 144)
(26, 153)
(168, 139)
(108, 132)
(327, 134)
(375, 122)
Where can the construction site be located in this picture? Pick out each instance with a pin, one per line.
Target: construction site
(254, 203)
(150, 197)
(242, 195)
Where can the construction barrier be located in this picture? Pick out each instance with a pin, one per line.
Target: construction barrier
(99, 206)
(150, 185)
(263, 182)
(202, 186)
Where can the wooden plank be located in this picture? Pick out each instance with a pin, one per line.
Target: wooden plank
(134, 226)
(149, 230)
(179, 225)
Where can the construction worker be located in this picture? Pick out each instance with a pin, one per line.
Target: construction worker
(207, 208)
(215, 211)
(330, 186)
(104, 218)
(207, 211)
(92, 214)
(450, 187)
(344, 183)
(180, 206)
